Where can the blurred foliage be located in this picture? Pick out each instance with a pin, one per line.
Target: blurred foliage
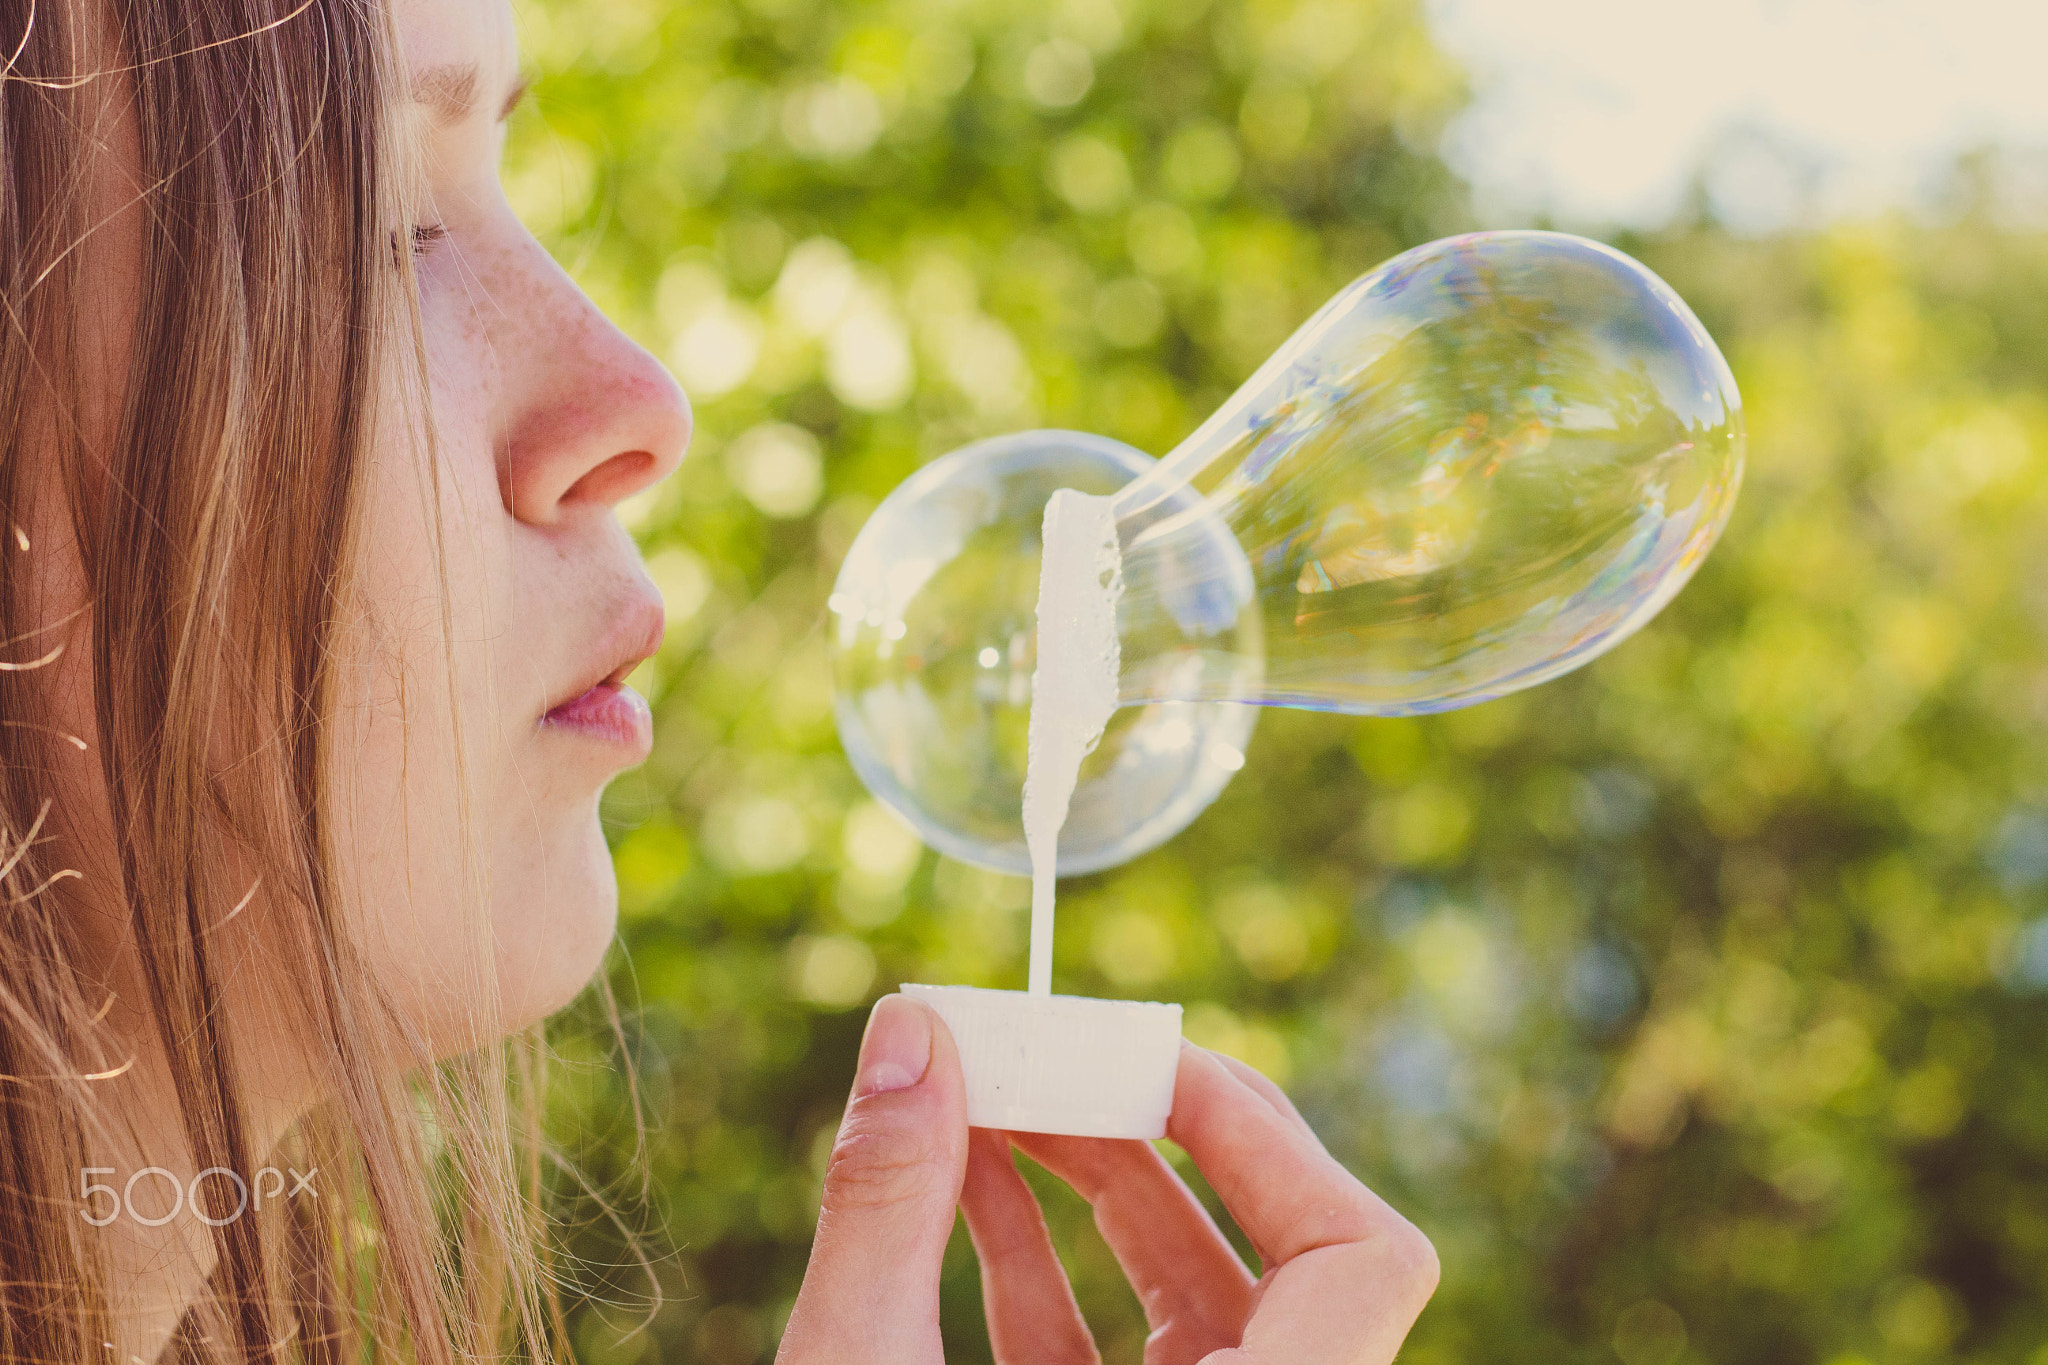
(1691, 1003)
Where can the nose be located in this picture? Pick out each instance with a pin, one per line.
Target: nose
(591, 418)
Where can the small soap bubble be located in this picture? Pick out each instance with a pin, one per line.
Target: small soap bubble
(934, 638)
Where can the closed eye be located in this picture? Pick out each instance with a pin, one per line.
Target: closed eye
(426, 235)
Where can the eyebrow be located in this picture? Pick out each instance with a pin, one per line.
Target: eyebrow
(450, 91)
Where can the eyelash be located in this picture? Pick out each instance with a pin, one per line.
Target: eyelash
(425, 235)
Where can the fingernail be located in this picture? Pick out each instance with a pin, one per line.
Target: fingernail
(896, 1048)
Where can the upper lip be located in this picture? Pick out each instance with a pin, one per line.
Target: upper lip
(632, 634)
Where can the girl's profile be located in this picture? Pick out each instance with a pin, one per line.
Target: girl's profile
(317, 617)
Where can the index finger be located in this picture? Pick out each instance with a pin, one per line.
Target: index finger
(1287, 1193)
(1345, 1275)
(1263, 1084)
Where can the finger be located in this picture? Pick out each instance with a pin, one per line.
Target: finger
(1287, 1194)
(1032, 1316)
(1352, 1304)
(1196, 1293)
(1345, 1274)
(871, 1292)
(1264, 1086)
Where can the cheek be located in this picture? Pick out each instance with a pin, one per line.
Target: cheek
(435, 572)
(444, 791)
(417, 735)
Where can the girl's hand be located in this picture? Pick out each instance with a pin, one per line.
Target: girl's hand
(1345, 1276)
(871, 1292)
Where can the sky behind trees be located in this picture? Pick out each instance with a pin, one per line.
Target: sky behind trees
(1783, 111)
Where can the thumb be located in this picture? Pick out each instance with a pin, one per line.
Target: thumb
(872, 1290)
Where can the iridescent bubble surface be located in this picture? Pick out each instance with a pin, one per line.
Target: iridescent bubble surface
(1477, 467)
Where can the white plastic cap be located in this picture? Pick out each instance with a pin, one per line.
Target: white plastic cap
(1062, 1063)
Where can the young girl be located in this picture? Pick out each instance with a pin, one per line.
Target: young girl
(316, 617)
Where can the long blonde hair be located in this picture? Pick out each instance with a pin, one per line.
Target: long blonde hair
(217, 528)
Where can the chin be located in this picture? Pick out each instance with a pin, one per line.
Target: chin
(562, 933)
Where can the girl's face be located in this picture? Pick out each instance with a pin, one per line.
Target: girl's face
(498, 604)
(474, 746)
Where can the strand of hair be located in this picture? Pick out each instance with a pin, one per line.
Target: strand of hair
(49, 658)
(6, 72)
(65, 735)
(59, 875)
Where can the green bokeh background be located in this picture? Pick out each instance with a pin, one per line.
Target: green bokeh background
(1693, 1004)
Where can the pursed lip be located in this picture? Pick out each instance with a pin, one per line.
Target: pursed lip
(598, 699)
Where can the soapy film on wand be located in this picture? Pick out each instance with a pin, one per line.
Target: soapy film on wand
(1073, 686)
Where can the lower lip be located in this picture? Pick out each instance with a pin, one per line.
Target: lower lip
(610, 713)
